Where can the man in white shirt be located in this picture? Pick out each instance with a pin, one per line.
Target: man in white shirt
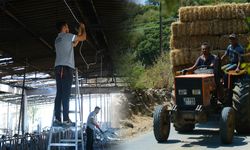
(91, 124)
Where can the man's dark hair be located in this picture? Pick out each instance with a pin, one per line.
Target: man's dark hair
(60, 24)
(97, 107)
(206, 44)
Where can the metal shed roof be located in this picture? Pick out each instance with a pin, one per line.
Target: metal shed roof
(27, 33)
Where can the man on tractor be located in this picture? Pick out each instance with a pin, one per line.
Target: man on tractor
(208, 63)
(234, 52)
(205, 60)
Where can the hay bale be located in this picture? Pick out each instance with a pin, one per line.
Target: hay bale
(242, 38)
(193, 57)
(223, 42)
(178, 29)
(179, 42)
(193, 42)
(242, 26)
(194, 28)
(246, 9)
(217, 42)
(179, 57)
(185, 13)
(240, 10)
(222, 11)
(214, 27)
(205, 12)
(218, 53)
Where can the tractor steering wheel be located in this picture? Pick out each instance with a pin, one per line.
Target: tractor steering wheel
(204, 69)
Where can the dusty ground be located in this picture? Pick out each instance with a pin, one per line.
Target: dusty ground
(136, 126)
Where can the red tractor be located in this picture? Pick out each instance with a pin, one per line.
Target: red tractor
(199, 96)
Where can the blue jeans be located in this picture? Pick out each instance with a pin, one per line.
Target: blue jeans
(64, 78)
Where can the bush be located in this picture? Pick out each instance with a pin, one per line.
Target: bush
(129, 67)
(157, 76)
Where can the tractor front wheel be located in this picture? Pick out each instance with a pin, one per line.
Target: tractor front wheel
(227, 124)
(161, 124)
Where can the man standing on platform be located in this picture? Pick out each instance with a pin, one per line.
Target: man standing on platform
(64, 66)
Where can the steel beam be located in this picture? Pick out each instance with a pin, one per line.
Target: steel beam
(9, 89)
(83, 90)
(52, 90)
(26, 28)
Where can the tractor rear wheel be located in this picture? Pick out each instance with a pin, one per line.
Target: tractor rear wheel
(161, 124)
(227, 124)
(241, 104)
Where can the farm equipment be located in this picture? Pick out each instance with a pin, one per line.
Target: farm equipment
(201, 95)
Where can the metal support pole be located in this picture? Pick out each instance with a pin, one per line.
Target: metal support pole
(89, 102)
(81, 100)
(101, 66)
(22, 106)
(161, 50)
(8, 115)
(108, 113)
(105, 110)
(97, 99)
(111, 109)
(16, 118)
(25, 109)
(101, 102)
(77, 101)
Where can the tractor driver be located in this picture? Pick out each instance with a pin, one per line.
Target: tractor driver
(206, 59)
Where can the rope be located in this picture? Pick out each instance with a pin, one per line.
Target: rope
(71, 11)
(80, 49)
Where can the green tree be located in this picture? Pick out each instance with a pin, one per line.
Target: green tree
(153, 2)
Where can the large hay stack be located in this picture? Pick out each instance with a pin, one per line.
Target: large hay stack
(212, 24)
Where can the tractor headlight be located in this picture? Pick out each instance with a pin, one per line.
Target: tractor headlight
(196, 92)
(182, 92)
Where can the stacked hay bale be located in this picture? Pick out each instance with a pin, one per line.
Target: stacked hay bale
(212, 24)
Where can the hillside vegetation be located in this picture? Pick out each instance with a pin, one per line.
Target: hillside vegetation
(140, 58)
